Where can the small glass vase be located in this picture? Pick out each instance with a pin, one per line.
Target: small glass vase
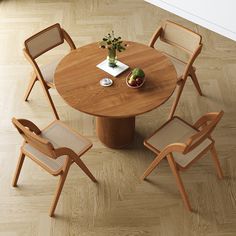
(112, 58)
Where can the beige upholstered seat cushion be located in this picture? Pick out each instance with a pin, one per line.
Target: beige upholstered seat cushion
(53, 164)
(60, 136)
(49, 70)
(179, 65)
(177, 131)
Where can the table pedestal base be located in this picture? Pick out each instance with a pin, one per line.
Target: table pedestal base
(115, 132)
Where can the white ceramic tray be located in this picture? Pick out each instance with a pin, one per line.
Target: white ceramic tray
(114, 71)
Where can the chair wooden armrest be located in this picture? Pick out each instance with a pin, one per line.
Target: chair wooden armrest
(68, 39)
(66, 151)
(75, 158)
(174, 147)
(189, 64)
(155, 36)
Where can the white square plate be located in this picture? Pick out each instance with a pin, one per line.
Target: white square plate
(114, 71)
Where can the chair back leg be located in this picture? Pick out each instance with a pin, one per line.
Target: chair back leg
(30, 86)
(216, 162)
(18, 169)
(179, 181)
(195, 81)
(46, 91)
(176, 101)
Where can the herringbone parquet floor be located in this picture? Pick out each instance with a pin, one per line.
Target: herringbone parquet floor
(120, 204)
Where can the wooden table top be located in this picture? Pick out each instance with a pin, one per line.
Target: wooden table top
(77, 81)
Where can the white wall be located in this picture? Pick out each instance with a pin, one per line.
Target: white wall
(216, 15)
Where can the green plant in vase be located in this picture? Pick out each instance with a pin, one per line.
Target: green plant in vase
(113, 44)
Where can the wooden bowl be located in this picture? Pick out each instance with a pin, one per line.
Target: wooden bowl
(134, 87)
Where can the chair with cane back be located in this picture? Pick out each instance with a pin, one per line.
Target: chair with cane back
(54, 148)
(182, 144)
(187, 41)
(39, 44)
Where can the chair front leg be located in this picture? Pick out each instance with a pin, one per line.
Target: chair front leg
(216, 162)
(153, 165)
(18, 169)
(179, 181)
(58, 190)
(51, 102)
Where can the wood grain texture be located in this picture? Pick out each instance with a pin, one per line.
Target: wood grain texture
(115, 132)
(77, 81)
(122, 205)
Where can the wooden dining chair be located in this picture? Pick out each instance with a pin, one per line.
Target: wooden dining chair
(54, 148)
(189, 42)
(39, 44)
(182, 144)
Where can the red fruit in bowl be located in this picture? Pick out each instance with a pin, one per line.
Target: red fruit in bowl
(139, 80)
(132, 82)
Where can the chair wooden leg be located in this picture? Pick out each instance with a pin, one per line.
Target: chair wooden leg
(85, 169)
(152, 166)
(195, 81)
(58, 191)
(175, 103)
(51, 102)
(179, 182)
(216, 162)
(18, 168)
(30, 86)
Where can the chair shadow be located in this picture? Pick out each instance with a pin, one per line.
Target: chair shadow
(163, 187)
(137, 142)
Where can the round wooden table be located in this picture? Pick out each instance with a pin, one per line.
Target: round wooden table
(77, 81)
